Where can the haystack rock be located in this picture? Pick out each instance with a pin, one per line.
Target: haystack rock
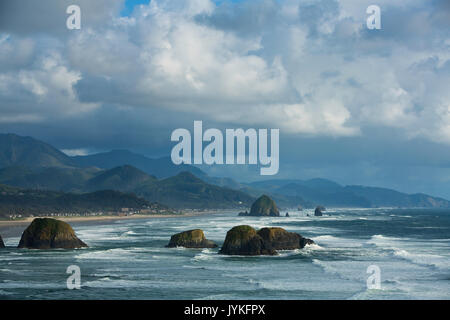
(191, 239)
(264, 206)
(46, 233)
(2, 245)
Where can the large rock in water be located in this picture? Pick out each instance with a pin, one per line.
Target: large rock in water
(191, 239)
(264, 206)
(244, 240)
(280, 239)
(2, 245)
(46, 233)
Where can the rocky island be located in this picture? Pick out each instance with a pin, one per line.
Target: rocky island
(319, 211)
(245, 240)
(46, 233)
(264, 206)
(191, 239)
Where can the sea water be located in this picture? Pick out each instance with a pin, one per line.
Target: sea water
(127, 259)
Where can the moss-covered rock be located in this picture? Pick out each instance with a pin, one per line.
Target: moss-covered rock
(264, 206)
(280, 239)
(2, 245)
(191, 239)
(46, 233)
(244, 240)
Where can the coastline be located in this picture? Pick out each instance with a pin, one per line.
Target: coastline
(14, 228)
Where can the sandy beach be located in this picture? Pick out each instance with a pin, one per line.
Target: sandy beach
(14, 228)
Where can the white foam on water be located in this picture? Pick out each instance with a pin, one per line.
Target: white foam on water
(337, 242)
(309, 248)
(15, 271)
(433, 260)
(11, 242)
(225, 296)
(5, 293)
(205, 257)
(110, 254)
(205, 254)
(306, 281)
(31, 285)
(420, 252)
(128, 233)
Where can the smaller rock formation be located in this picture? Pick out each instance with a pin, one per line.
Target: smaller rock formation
(46, 233)
(287, 214)
(191, 239)
(243, 214)
(319, 211)
(2, 245)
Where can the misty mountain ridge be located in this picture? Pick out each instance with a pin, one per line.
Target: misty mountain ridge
(159, 167)
(329, 193)
(26, 151)
(178, 186)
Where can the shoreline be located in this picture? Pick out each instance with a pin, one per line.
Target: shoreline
(14, 228)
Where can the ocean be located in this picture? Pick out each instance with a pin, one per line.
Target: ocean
(127, 259)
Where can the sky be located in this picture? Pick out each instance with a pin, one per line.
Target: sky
(354, 105)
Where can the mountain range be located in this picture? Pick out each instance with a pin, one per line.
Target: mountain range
(29, 163)
(329, 193)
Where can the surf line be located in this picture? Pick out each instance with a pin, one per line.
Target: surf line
(213, 153)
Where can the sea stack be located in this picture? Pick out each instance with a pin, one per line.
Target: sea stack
(264, 206)
(280, 239)
(46, 233)
(319, 211)
(245, 240)
(191, 239)
(2, 245)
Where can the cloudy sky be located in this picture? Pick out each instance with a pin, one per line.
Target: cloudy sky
(355, 105)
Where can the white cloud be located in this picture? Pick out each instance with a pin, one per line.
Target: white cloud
(271, 75)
